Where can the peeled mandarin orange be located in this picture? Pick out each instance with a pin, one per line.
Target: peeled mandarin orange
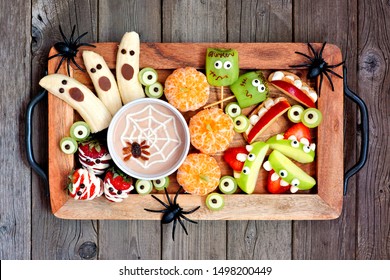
(187, 89)
(211, 131)
(199, 174)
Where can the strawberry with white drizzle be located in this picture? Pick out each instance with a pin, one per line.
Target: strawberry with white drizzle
(84, 185)
(94, 156)
(117, 185)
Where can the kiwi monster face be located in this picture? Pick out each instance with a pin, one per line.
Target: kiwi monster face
(221, 66)
(251, 88)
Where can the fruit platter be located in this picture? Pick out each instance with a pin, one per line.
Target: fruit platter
(253, 138)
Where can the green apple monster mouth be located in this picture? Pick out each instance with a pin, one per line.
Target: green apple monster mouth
(217, 77)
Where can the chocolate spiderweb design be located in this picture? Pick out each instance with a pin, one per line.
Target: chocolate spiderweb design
(158, 129)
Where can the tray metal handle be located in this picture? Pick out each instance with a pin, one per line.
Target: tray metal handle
(365, 130)
(29, 149)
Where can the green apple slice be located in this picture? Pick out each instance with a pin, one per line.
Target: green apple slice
(143, 186)
(248, 176)
(233, 109)
(161, 183)
(147, 76)
(290, 172)
(292, 149)
(311, 117)
(295, 113)
(241, 123)
(227, 185)
(215, 201)
(80, 131)
(154, 90)
(68, 145)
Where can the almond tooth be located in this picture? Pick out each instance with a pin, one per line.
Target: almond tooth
(241, 157)
(261, 112)
(298, 84)
(278, 75)
(254, 119)
(313, 95)
(293, 189)
(269, 103)
(267, 166)
(274, 177)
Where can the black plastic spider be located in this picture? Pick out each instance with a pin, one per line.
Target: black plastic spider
(69, 48)
(173, 212)
(318, 66)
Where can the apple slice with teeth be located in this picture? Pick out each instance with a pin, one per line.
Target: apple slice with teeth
(294, 93)
(268, 116)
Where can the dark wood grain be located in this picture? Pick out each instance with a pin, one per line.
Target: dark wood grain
(259, 21)
(195, 21)
(15, 191)
(129, 239)
(55, 238)
(373, 193)
(334, 22)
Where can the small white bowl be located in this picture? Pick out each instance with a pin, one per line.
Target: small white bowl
(161, 126)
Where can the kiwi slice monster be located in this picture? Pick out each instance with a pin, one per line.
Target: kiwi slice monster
(241, 123)
(161, 183)
(80, 131)
(68, 145)
(154, 90)
(311, 117)
(143, 186)
(295, 113)
(147, 76)
(233, 109)
(227, 185)
(215, 201)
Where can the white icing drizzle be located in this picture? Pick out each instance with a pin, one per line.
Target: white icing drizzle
(90, 163)
(114, 196)
(134, 132)
(88, 179)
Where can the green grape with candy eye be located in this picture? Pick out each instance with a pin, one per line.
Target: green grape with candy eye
(222, 67)
(251, 88)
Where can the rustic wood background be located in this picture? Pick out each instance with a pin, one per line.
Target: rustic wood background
(361, 28)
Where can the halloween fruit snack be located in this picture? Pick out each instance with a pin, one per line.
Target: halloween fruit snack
(80, 131)
(143, 186)
(211, 131)
(187, 89)
(247, 178)
(294, 87)
(68, 145)
(199, 174)
(84, 185)
(94, 156)
(222, 67)
(289, 172)
(227, 185)
(215, 201)
(81, 98)
(127, 68)
(117, 185)
(264, 115)
(250, 88)
(103, 81)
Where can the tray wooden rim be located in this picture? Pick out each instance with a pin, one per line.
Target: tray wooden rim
(326, 204)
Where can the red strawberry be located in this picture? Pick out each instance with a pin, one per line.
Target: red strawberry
(230, 156)
(84, 185)
(298, 130)
(117, 185)
(274, 186)
(94, 155)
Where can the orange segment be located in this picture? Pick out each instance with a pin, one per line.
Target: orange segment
(211, 131)
(187, 89)
(199, 174)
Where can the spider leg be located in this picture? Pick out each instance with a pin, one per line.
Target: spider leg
(159, 200)
(127, 157)
(334, 73)
(59, 64)
(187, 219)
(78, 66)
(68, 66)
(53, 56)
(63, 36)
(336, 65)
(71, 36)
(182, 225)
(300, 65)
(330, 80)
(312, 50)
(173, 229)
(305, 55)
(176, 195)
(169, 199)
(322, 49)
(191, 211)
(319, 89)
(79, 38)
(156, 211)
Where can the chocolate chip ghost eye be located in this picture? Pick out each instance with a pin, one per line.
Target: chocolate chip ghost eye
(93, 70)
(61, 90)
(64, 82)
(131, 52)
(99, 66)
(123, 51)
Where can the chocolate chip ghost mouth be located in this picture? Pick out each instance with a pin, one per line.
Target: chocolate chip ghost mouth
(127, 71)
(217, 77)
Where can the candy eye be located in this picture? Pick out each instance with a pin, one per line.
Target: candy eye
(294, 144)
(256, 83)
(295, 113)
(246, 170)
(295, 182)
(227, 65)
(218, 64)
(251, 157)
(306, 149)
(261, 88)
(131, 52)
(283, 173)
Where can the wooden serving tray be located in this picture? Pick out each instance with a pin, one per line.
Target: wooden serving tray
(322, 202)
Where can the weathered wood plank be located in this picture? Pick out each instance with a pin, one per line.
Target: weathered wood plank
(15, 192)
(194, 21)
(373, 193)
(54, 238)
(142, 238)
(335, 22)
(259, 21)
